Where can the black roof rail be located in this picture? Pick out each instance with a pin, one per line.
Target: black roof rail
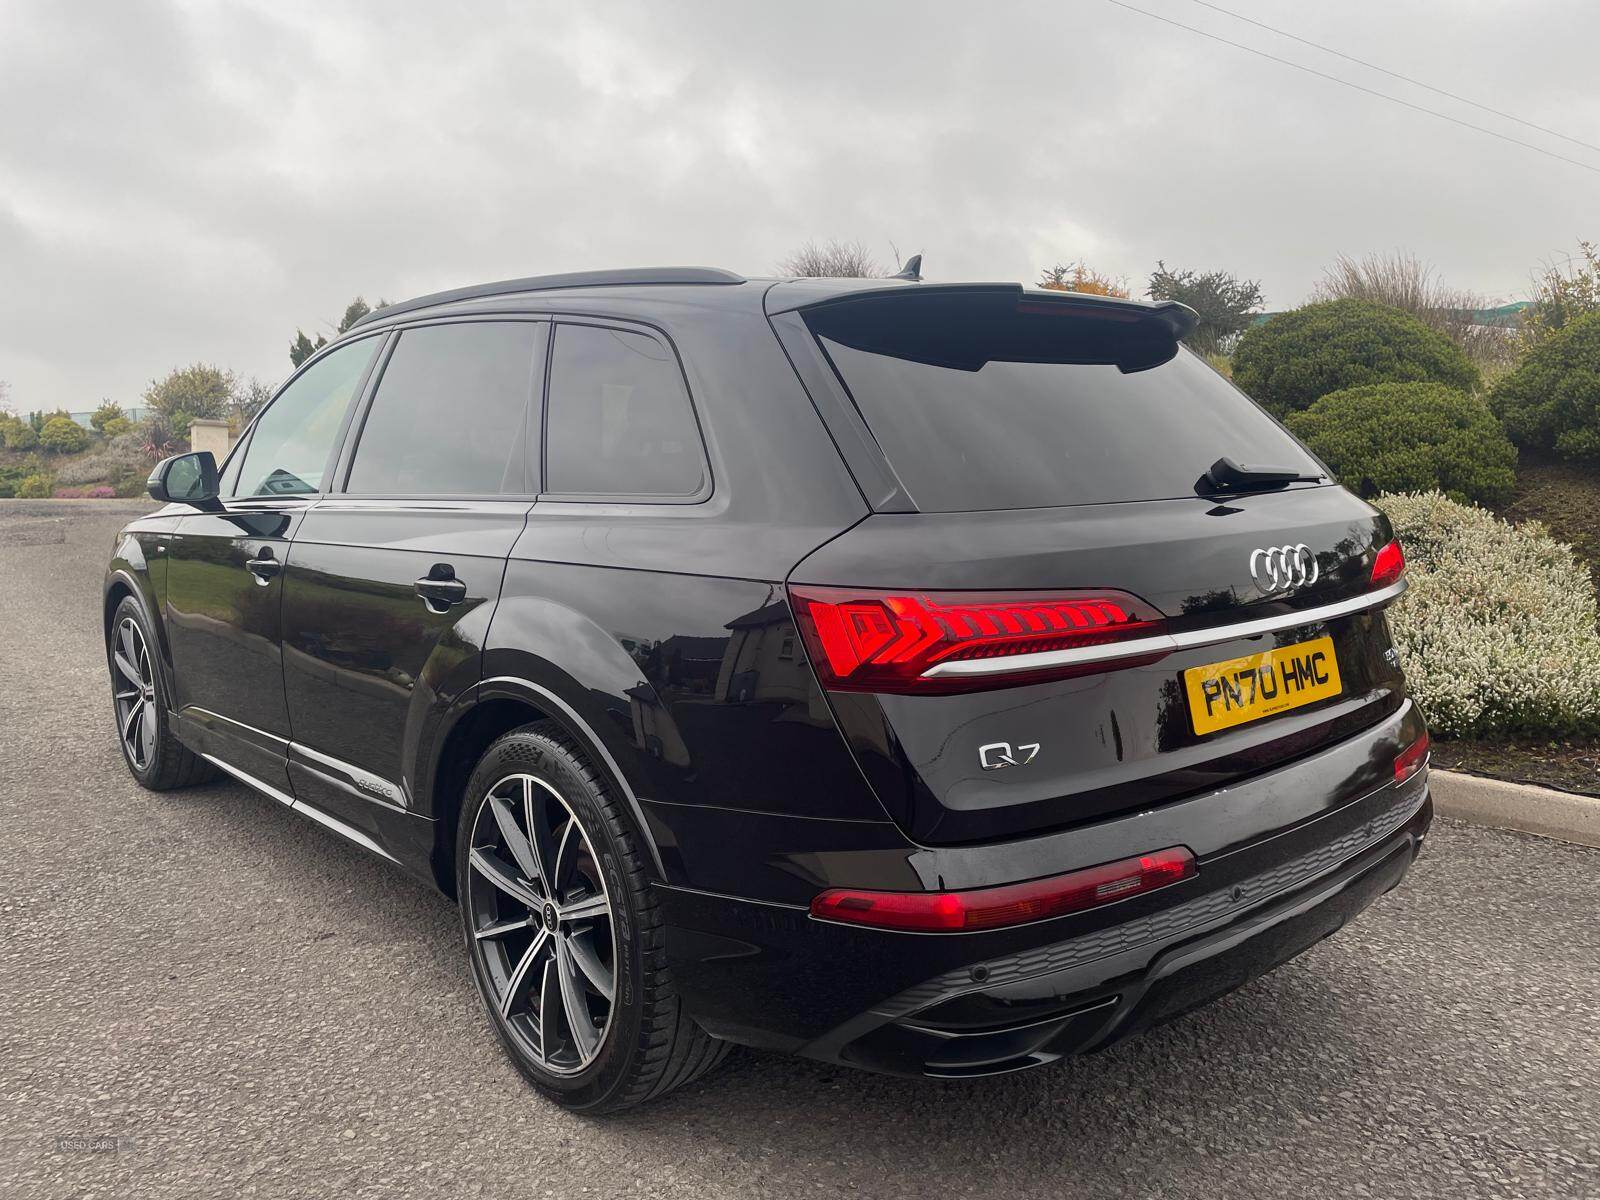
(547, 283)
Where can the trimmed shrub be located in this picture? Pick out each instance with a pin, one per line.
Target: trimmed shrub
(21, 436)
(1411, 437)
(63, 435)
(69, 493)
(115, 426)
(1552, 401)
(1497, 634)
(1300, 356)
(101, 493)
(36, 487)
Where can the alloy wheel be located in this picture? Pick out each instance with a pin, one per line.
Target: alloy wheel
(541, 921)
(133, 685)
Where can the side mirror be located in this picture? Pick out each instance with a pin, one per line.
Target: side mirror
(186, 479)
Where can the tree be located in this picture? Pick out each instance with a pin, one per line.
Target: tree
(63, 435)
(187, 393)
(1300, 356)
(835, 260)
(1080, 277)
(303, 347)
(20, 435)
(249, 399)
(1225, 303)
(1561, 296)
(109, 410)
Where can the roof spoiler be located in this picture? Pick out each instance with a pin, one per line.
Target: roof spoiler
(1178, 319)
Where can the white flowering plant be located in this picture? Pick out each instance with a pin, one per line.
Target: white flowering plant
(1497, 634)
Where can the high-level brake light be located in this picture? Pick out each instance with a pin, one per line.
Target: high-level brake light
(1012, 904)
(880, 641)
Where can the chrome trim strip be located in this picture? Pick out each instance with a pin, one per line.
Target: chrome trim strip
(1165, 643)
(356, 781)
(316, 814)
(266, 789)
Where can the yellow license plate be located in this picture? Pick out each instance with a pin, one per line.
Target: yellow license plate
(1230, 693)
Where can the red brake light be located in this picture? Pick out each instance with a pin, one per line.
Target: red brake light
(1012, 904)
(875, 641)
(1412, 759)
(1389, 565)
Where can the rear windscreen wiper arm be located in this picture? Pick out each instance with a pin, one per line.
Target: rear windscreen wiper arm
(1226, 475)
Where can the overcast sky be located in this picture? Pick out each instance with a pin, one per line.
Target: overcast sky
(186, 181)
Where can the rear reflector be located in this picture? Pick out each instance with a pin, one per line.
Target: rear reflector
(1389, 565)
(1412, 759)
(873, 641)
(1013, 904)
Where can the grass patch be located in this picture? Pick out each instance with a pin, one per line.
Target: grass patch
(1566, 766)
(1565, 496)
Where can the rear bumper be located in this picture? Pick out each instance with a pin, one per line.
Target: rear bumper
(978, 1004)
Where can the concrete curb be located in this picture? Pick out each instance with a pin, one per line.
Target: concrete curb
(1520, 806)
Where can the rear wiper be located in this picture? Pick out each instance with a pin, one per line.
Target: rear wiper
(1226, 475)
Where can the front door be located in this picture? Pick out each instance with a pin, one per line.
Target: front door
(393, 579)
(224, 599)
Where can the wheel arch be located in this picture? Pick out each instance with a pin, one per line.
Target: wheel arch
(492, 708)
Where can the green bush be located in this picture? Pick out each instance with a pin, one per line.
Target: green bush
(114, 426)
(1497, 633)
(109, 410)
(1411, 437)
(20, 436)
(1300, 356)
(63, 435)
(36, 487)
(1552, 401)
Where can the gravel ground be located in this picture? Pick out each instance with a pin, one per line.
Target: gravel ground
(241, 1004)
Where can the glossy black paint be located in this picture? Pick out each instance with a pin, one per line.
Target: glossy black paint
(355, 680)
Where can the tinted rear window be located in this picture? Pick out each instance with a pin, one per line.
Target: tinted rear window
(451, 413)
(988, 403)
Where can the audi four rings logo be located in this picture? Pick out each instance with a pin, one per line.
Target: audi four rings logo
(1283, 568)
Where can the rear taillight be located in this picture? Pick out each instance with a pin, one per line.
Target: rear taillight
(1412, 759)
(1389, 565)
(879, 641)
(1013, 904)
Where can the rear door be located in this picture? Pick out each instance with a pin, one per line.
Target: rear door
(1067, 619)
(394, 577)
(225, 569)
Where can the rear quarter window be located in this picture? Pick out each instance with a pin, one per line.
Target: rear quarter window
(618, 420)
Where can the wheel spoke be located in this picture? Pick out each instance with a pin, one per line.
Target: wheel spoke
(535, 807)
(516, 841)
(585, 909)
(501, 928)
(494, 868)
(602, 980)
(565, 854)
(129, 721)
(549, 1006)
(530, 956)
(584, 1035)
(128, 647)
(125, 665)
(147, 730)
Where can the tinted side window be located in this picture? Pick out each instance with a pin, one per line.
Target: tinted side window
(450, 415)
(618, 420)
(290, 446)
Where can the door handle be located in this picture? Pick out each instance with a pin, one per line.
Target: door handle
(440, 588)
(264, 567)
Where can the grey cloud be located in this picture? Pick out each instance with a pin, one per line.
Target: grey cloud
(192, 180)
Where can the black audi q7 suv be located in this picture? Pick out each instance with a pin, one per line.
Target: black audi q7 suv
(936, 679)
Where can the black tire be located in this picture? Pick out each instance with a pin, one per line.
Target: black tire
(648, 1045)
(156, 759)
